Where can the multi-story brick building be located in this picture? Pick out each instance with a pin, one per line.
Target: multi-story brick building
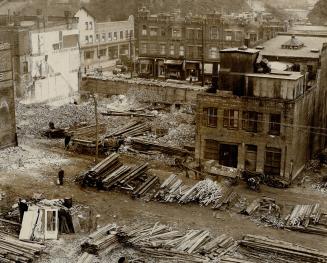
(173, 46)
(261, 121)
(103, 43)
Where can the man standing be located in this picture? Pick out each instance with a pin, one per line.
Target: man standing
(23, 207)
(61, 175)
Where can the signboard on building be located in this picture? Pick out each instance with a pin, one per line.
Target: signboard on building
(7, 99)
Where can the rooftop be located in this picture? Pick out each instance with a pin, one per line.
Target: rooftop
(311, 49)
(240, 50)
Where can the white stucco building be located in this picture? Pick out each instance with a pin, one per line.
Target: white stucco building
(103, 43)
(54, 63)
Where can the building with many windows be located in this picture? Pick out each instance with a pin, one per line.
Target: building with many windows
(261, 119)
(103, 43)
(174, 46)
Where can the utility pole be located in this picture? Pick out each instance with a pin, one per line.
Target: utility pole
(96, 128)
(130, 54)
(203, 49)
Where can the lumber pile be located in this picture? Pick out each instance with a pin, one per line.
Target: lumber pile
(307, 218)
(127, 113)
(102, 241)
(86, 258)
(228, 200)
(110, 173)
(160, 241)
(260, 248)
(144, 146)
(133, 129)
(204, 192)
(13, 250)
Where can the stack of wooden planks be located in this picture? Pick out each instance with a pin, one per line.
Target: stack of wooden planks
(144, 146)
(260, 248)
(136, 128)
(229, 199)
(127, 113)
(205, 192)
(307, 218)
(13, 250)
(111, 173)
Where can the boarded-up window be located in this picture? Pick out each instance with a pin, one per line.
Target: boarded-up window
(70, 41)
(272, 161)
(231, 119)
(252, 121)
(211, 150)
(210, 117)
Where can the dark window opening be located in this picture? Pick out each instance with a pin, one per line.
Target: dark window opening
(274, 124)
(273, 161)
(251, 158)
(228, 155)
(251, 121)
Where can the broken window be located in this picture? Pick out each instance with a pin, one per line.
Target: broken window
(231, 119)
(51, 220)
(274, 124)
(210, 117)
(252, 121)
(272, 161)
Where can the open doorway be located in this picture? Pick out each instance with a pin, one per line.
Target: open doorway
(228, 155)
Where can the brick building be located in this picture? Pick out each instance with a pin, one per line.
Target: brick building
(7, 99)
(103, 43)
(261, 121)
(174, 46)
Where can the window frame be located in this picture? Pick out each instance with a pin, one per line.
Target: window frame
(230, 121)
(275, 126)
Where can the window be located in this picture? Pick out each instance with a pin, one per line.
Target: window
(252, 121)
(87, 25)
(131, 33)
(89, 54)
(162, 49)
(97, 38)
(228, 35)
(115, 35)
(109, 36)
(238, 35)
(274, 124)
(211, 150)
(91, 39)
(90, 25)
(154, 31)
(191, 33)
(144, 30)
(86, 40)
(126, 34)
(172, 50)
(253, 37)
(231, 118)
(176, 32)
(57, 46)
(25, 67)
(102, 52)
(199, 32)
(103, 39)
(214, 33)
(181, 51)
(153, 48)
(213, 52)
(199, 50)
(121, 34)
(273, 158)
(210, 117)
(163, 33)
(143, 48)
(191, 51)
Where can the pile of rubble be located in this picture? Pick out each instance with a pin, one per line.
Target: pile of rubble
(25, 158)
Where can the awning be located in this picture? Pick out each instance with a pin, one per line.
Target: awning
(173, 62)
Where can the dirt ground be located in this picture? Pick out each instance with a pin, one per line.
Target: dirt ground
(117, 207)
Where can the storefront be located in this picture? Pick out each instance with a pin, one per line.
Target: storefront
(146, 67)
(174, 69)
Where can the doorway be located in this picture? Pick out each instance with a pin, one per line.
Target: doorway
(228, 155)
(251, 158)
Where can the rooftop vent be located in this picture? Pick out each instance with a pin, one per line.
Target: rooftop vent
(293, 43)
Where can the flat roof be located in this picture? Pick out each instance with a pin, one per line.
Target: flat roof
(240, 50)
(308, 29)
(273, 47)
(286, 75)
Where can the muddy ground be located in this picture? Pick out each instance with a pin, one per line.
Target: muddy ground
(120, 208)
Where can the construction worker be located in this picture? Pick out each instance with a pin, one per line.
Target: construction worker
(61, 175)
(67, 140)
(23, 207)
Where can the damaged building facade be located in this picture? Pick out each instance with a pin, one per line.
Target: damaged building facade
(7, 99)
(261, 119)
(174, 46)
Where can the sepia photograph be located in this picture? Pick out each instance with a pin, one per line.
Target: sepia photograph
(163, 131)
